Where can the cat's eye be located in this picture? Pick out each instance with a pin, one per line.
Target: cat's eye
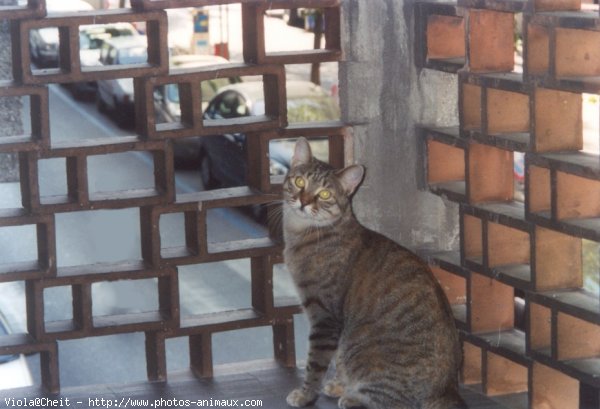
(299, 182)
(324, 194)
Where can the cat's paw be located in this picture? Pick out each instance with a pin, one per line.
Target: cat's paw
(333, 388)
(301, 397)
(347, 402)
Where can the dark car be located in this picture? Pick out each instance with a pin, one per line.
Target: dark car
(168, 110)
(116, 95)
(223, 157)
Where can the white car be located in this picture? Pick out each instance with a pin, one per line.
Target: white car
(91, 39)
(115, 96)
(14, 372)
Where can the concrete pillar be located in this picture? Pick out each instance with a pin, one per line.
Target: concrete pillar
(385, 96)
(10, 107)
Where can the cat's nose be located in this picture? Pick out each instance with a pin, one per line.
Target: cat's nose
(305, 200)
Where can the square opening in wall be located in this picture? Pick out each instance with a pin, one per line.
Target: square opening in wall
(215, 37)
(44, 50)
(99, 236)
(491, 40)
(135, 172)
(504, 377)
(13, 307)
(167, 100)
(577, 197)
(576, 54)
(178, 354)
(490, 175)
(112, 43)
(237, 228)
(552, 388)
(307, 101)
(72, 122)
(172, 227)
(472, 364)
(455, 288)
(232, 346)
(445, 166)
(19, 248)
(539, 190)
(116, 359)
(124, 297)
(214, 287)
(249, 101)
(310, 33)
(58, 306)
(558, 120)
(492, 306)
(52, 179)
(539, 332)
(446, 38)
(576, 338)
(508, 113)
(558, 261)
(509, 252)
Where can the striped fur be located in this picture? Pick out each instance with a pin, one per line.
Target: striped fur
(373, 305)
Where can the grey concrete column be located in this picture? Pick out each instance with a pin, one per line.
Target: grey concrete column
(385, 96)
(11, 107)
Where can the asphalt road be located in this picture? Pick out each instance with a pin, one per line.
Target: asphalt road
(114, 235)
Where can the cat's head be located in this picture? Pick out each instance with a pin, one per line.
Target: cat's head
(315, 193)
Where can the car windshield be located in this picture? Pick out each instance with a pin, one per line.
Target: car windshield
(209, 89)
(134, 55)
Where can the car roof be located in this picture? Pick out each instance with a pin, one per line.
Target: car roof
(127, 41)
(195, 60)
(253, 90)
(99, 27)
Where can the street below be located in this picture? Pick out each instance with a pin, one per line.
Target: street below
(110, 236)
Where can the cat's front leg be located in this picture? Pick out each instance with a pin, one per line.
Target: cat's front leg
(334, 388)
(323, 342)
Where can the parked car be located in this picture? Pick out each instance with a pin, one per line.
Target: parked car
(14, 372)
(223, 157)
(91, 39)
(167, 108)
(115, 96)
(44, 42)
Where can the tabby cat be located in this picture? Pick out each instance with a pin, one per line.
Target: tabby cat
(372, 304)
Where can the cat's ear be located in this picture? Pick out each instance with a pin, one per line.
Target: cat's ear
(351, 177)
(302, 153)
